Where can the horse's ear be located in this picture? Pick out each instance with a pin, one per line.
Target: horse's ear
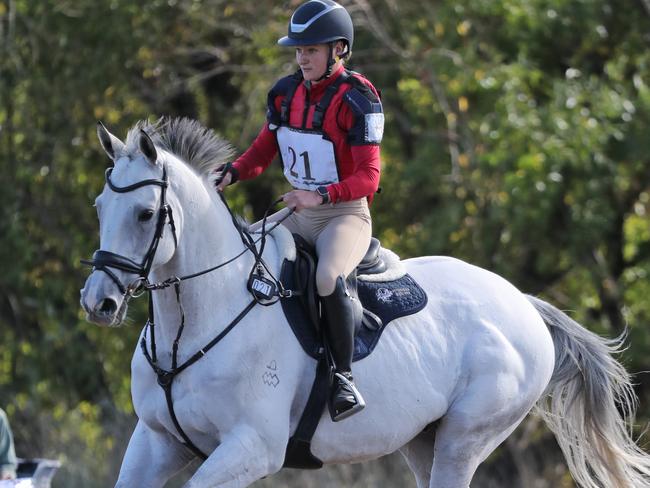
(111, 144)
(147, 148)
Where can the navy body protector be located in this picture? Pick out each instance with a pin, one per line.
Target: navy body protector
(361, 99)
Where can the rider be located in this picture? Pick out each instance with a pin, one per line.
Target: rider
(327, 123)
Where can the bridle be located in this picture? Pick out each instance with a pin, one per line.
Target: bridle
(105, 260)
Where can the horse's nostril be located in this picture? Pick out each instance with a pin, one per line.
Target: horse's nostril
(108, 306)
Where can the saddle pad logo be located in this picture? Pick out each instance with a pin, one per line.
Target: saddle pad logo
(384, 295)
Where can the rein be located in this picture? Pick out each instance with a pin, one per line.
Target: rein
(105, 260)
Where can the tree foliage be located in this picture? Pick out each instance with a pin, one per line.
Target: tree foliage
(516, 138)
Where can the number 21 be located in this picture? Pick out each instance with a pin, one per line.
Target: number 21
(305, 158)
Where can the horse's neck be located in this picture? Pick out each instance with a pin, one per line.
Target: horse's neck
(210, 301)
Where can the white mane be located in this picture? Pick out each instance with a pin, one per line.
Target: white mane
(188, 139)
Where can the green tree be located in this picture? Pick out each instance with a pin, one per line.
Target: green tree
(516, 139)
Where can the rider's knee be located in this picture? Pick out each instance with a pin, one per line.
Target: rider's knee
(326, 281)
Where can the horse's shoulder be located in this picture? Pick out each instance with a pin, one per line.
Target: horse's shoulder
(284, 242)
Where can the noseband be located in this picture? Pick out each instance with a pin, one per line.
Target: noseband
(106, 261)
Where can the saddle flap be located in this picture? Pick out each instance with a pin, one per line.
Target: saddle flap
(372, 263)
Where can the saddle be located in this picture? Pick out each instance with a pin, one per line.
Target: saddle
(382, 292)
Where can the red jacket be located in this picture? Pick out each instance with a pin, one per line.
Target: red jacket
(358, 164)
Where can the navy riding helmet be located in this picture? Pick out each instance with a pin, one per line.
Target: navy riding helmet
(319, 22)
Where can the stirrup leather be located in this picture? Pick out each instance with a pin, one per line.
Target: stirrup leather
(353, 401)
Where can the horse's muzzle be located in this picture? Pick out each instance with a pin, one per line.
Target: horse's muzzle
(101, 301)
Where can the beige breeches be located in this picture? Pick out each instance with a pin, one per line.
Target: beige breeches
(340, 233)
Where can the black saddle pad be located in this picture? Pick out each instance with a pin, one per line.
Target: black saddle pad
(388, 300)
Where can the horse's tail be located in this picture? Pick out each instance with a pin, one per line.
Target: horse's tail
(589, 404)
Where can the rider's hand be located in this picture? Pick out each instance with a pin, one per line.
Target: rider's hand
(299, 199)
(224, 175)
(225, 181)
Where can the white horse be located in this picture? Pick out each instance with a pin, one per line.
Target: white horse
(475, 360)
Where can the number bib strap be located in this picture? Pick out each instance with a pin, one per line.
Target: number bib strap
(307, 158)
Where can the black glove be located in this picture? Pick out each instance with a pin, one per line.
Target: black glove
(224, 169)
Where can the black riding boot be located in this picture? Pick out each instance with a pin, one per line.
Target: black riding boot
(345, 400)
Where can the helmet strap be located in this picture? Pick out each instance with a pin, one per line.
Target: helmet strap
(331, 61)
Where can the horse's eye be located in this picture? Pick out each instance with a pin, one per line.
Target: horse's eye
(145, 215)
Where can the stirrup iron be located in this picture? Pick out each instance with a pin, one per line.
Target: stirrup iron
(340, 380)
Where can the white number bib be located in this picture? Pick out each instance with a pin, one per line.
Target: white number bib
(307, 158)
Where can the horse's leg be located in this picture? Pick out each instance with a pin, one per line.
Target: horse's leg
(460, 447)
(495, 398)
(241, 458)
(419, 456)
(494, 401)
(151, 459)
